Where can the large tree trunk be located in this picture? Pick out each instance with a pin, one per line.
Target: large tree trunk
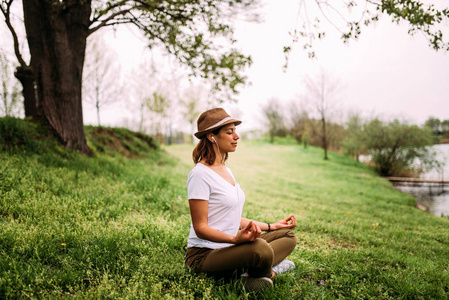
(57, 33)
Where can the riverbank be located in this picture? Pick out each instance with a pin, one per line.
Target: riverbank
(432, 197)
(443, 157)
(115, 227)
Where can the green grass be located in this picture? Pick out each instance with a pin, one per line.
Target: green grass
(358, 236)
(114, 227)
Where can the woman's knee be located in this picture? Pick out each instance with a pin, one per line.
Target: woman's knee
(288, 238)
(288, 233)
(262, 255)
(262, 251)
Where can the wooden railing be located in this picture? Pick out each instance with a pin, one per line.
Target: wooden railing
(416, 180)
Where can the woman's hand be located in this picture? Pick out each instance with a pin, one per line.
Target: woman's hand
(248, 234)
(288, 222)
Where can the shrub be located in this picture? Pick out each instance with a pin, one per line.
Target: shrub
(395, 146)
(24, 135)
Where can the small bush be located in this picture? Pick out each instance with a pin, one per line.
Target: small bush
(119, 141)
(15, 132)
(24, 135)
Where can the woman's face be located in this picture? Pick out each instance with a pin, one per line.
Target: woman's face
(227, 138)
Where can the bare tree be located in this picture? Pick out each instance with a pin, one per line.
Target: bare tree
(299, 122)
(353, 143)
(101, 82)
(275, 118)
(322, 91)
(158, 87)
(10, 95)
(140, 87)
(192, 104)
(159, 105)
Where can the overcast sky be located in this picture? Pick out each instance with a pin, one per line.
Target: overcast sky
(386, 72)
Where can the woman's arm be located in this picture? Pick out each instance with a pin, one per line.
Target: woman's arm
(288, 222)
(262, 226)
(199, 210)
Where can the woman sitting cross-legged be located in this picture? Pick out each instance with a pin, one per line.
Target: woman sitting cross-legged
(221, 243)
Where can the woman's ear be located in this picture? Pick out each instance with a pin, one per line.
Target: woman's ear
(210, 137)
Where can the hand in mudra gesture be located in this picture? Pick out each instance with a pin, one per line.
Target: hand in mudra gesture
(248, 234)
(288, 222)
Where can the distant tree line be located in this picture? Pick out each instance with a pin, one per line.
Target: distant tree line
(440, 129)
(198, 34)
(395, 148)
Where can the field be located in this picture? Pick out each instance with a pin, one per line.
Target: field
(115, 225)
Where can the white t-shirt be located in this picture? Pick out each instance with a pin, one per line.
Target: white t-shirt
(225, 203)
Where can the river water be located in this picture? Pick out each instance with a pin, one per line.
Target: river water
(434, 198)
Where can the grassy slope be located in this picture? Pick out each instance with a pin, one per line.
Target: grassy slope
(358, 236)
(73, 226)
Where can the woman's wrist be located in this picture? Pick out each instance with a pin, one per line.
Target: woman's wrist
(269, 227)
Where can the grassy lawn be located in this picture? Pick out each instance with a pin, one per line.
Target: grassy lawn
(358, 236)
(115, 227)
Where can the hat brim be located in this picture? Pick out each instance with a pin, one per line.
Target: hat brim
(200, 134)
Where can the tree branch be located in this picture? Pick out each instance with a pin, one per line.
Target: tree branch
(138, 5)
(326, 17)
(6, 13)
(111, 17)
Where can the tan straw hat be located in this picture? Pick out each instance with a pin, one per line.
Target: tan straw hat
(213, 119)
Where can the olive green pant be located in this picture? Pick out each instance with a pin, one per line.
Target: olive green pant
(256, 258)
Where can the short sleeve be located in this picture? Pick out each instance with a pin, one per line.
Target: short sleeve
(197, 186)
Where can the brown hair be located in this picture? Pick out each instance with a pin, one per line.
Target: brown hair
(205, 150)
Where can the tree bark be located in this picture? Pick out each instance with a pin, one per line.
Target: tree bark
(57, 33)
(31, 103)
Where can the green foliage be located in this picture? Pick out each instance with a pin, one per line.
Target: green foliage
(275, 120)
(445, 129)
(29, 137)
(299, 119)
(421, 17)
(22, 135)
(440, 129)
(353, 143)
(310, 132)
(351, 16)
(434, 124)
(189, 30)
(158, 103)
(120, 141)
(394, 147)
